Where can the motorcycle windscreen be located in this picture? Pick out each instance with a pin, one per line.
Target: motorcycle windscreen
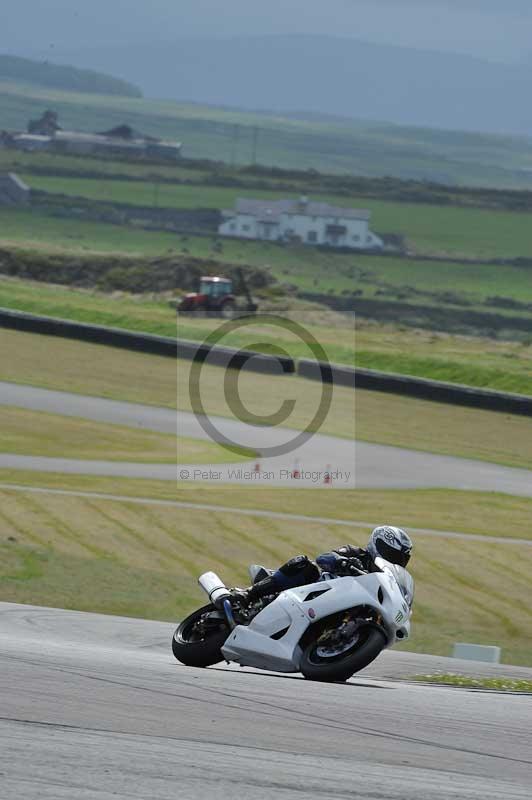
(402, 576)
(406, 583)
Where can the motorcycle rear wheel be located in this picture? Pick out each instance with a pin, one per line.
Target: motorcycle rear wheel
(192, 650)
(340, 668)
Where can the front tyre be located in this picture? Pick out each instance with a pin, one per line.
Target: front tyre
(321, 664)
(198, 640)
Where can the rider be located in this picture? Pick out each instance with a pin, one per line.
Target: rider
(392, 544)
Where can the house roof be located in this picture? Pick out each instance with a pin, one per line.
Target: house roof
(32, 137)
(79, 137)
(271, 210)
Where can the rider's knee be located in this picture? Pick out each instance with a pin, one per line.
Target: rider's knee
(298, 571)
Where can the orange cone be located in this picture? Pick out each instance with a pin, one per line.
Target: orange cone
(296, 472)
(257, 466)
(327, 477)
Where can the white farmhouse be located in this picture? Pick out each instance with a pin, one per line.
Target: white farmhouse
(301, 221)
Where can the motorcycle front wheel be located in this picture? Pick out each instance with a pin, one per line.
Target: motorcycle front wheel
(198, 640)
(317, 664)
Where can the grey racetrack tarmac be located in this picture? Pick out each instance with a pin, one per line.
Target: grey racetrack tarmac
(96, 707)
(358, 464)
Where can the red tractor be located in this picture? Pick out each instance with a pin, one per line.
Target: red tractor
(216, 299)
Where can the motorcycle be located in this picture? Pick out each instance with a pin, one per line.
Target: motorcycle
(326, 630)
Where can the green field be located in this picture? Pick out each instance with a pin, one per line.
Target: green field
(32, 228)
(428, 229)
(56, 164)
(474, 361)
(306, 268)
(141, 560)
(37, 433)
(364, 148)
(487, 514)
(459, 286)
(412, 290)
(370, 416)
(125, 556)
(489, 288)
(121, 555)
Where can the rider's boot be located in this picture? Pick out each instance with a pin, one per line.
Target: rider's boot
(264, 588)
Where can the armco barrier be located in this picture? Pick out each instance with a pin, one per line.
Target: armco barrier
(271, 365)
(220, 356)
(147, 343)
(422, 388)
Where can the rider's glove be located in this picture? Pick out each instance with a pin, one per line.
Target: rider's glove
(330, 562)
(357, 564)
(338, 565)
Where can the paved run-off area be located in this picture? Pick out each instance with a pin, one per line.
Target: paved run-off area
(95, 707)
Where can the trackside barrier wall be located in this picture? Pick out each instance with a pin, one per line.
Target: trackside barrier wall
(268, 364)
(422, 388)
(147, 343)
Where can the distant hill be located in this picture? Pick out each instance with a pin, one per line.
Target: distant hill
(334, 76)
(54, 76)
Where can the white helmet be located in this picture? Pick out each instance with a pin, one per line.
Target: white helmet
(392, 544)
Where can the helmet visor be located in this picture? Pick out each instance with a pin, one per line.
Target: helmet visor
(391, 554)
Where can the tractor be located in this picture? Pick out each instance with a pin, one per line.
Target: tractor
(216, 298)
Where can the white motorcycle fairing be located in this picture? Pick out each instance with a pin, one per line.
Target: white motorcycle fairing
(271, 640)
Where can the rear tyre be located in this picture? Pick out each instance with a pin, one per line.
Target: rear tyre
(228, 310)
(316, 667)
(197, 642)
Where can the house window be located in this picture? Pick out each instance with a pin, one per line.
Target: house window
(232, 227)
(356, 237)
(312, 237)
(245, 227)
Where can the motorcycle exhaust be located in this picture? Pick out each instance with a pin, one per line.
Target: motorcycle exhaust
(214, 588)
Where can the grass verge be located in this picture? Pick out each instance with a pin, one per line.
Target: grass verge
(494, 684)
(37, 433)
(428, 229)
(475, 361)
(480, 513)
(118, 557)
(372, 416)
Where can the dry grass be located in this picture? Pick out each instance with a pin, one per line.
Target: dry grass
(116, 557)
(479, 513)
(468, 682)
(41, 434)
(375, 416)
(441, 428)
(72, 366)
(371, 416)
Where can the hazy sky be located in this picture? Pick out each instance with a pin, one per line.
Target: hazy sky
(495, 29)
